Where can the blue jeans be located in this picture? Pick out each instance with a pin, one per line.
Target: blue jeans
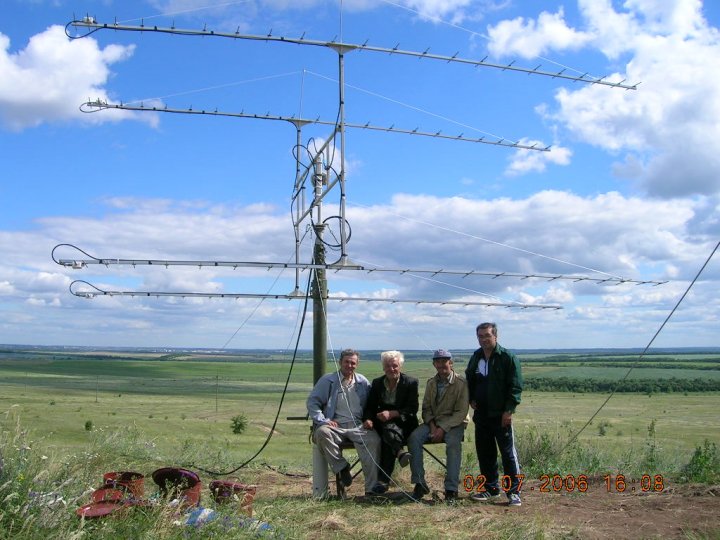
(453, 453)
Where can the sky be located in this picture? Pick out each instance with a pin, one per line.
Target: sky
(629, 188)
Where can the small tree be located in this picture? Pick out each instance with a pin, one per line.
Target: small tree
(239, 423)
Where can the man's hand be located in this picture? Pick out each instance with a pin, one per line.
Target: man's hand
(437, 435)
(368, 424)
(385, 416)
(332, 423)
(506, 419)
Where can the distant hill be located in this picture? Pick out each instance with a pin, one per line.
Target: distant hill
(366, 352)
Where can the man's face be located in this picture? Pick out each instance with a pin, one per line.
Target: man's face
(443, 366)
(348, 365)
(486, 338)
(392, 369)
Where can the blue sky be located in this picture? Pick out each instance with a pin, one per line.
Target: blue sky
(630, 187)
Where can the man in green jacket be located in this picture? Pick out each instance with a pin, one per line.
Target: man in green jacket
(494, 386)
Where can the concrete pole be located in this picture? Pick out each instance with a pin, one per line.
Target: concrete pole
(319, 296)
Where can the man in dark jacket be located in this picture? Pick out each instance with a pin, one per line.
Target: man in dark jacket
(391, 408)
(494, 385)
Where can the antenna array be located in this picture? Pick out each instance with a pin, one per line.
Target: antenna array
(315, 180)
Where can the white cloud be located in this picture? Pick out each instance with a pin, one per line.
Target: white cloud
(49, 79)
(528, 38)
(667, 128)
(661, 16)
(553, 296)
(607, 232)
(525, 161)
(613, 31)
(6, 288)
(440, 9)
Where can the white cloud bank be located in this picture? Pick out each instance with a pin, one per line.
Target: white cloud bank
(49, 79)
(551, 231)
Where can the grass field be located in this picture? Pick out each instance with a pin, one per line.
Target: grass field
(179, 402)
(74, 416)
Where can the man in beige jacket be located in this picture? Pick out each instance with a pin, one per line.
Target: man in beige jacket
(444, 413)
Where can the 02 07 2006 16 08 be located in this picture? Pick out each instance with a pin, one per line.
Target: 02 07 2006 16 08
(569, 483)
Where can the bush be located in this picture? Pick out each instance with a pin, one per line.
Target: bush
(704, 465)
(239, 423)
(88, 425)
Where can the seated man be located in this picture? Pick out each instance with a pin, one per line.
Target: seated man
(444, 413)
(336, 406)
(392, 410)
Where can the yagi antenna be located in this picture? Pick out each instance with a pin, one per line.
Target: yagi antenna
(95, 291)
(342, 48)
(80, 263)
(97, 105)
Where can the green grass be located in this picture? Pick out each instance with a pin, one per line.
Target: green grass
(36, 477)
(179, 402)
(149, 413)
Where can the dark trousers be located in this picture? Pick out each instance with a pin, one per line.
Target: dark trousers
(392, 440)
(489, 437)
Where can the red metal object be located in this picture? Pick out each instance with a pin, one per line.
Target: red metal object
(100, 509)
(176, 483)
(134, 482)
(224, 491)
(109, 494)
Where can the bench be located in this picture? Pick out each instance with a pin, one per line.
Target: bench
(320, 470)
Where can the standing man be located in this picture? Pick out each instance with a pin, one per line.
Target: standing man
(336, 406)
(444, 414)
(495, 384)
(392, 410)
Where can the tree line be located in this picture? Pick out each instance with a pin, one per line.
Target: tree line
(645, 386)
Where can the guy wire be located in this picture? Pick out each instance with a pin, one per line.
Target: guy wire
(282, 396)
(677, 304)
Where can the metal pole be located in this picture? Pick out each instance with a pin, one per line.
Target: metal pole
(298, 208)
(341, 129)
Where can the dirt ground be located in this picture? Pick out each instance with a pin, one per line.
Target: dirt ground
(678, 511)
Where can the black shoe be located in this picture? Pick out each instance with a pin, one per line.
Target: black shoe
(451, 496)
(378, 489)
(404, 459)
(420, 490)
(346, 476)
(484, 496)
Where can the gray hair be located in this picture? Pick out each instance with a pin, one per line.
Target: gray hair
(386, 356)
